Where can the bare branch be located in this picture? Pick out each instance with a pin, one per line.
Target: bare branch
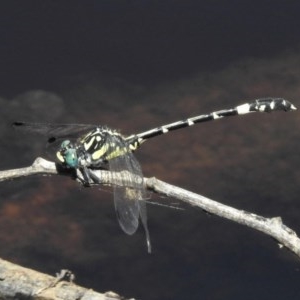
(39, 166)
(273, 227)
(270, 226)
(36, 284)
(17, 282)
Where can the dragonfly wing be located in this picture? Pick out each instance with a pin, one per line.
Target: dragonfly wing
(129, 198)
(126, 195)
(54, 132)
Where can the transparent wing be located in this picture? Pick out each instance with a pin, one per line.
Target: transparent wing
(54, 132)
(129, 198)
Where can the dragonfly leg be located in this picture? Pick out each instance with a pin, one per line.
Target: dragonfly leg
(89, 178)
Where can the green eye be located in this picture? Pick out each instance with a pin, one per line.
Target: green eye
(65, 144)
(70, 157)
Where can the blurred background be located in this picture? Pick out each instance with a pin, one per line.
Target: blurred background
(134, 65)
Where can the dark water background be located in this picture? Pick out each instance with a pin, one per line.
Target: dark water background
(134, 65)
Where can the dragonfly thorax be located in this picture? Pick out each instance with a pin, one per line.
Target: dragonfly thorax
(94, 149)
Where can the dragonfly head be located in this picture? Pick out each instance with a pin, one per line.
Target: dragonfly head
(67, 154)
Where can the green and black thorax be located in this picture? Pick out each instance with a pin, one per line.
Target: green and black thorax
(96, 148)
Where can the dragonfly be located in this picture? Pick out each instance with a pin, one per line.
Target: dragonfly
(87, 147)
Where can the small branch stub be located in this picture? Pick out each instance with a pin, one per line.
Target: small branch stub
(17, 282)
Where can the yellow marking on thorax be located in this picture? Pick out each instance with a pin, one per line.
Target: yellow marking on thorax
(99, 153)
(117, 152)
(85, 137)
(89, 144)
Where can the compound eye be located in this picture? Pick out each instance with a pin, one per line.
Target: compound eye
(70, 158)
(65, 144)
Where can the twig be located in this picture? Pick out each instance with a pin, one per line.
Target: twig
(273, 227)
(17, 282)
(270, 226)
